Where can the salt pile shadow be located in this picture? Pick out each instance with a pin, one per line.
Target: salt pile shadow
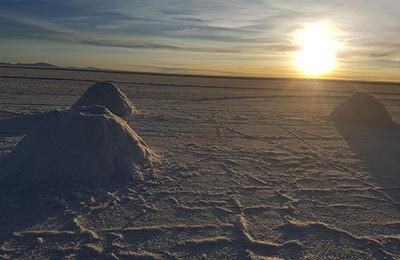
(107, 94)
(368, 129)
(85, 144)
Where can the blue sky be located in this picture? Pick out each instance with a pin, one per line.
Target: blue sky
(252, 37)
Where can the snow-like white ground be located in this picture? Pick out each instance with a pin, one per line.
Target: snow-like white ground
(251, 169)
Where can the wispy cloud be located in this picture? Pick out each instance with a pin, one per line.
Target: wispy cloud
(369, 29)
(184, 21)
(181, 41)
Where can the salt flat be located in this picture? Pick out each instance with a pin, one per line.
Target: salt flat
(250, 169)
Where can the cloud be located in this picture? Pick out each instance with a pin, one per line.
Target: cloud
(205, 20)
(249, 49)
(385, 54)
(181, 41)
(369, 29)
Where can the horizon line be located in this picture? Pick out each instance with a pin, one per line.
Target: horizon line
(166, 74)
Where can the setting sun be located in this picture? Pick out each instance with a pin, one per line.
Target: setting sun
(318, 52)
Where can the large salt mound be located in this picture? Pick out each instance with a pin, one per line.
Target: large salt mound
(361, 108)
(109, 95)
(81, 144)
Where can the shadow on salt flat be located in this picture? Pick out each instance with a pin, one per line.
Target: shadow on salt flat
(378, 147)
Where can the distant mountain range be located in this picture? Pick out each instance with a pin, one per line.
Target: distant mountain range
(42, 65)
(37, 64)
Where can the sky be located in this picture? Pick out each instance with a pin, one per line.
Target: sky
(241, 38)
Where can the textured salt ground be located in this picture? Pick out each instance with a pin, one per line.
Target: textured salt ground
(240, 179)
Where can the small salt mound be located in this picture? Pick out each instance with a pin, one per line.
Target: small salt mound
(361, 108)
(81, 144)
(109, 95)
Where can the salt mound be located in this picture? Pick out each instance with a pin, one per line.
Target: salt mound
(361, 108)
(109, 95)
(84, 144)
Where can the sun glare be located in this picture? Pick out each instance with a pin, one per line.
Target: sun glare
(318, 52)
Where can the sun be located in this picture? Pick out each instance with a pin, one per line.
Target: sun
(318, 52)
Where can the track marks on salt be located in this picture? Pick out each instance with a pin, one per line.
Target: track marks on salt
(240, 180)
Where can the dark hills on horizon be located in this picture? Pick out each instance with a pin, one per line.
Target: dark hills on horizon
(37, 64)
(42, 65)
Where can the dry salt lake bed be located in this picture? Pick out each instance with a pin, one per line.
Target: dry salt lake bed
(250, 169)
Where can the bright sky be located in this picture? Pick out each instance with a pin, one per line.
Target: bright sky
(250, 38)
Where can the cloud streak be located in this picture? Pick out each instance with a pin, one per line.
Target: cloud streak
(264, 27)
